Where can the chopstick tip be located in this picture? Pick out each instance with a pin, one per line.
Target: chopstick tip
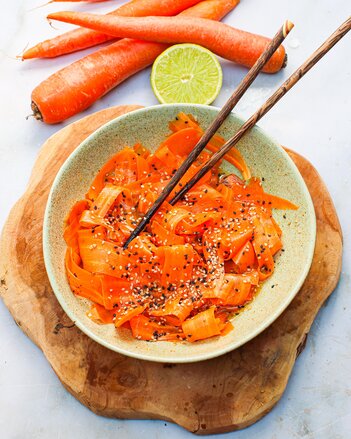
(288, 25)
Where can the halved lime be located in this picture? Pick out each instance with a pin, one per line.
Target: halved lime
(186, 73)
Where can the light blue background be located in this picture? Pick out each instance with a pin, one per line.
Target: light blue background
(313, 119)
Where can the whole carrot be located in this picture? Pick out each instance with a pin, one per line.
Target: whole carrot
(230, 43)
(78, 39)
(77, 86)
(76, 1)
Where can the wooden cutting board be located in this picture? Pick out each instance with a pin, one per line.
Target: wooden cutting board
(224, 394)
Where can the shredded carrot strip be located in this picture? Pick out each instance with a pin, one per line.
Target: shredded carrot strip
(234, 156)
(202, 325)
(144, 328)
(196, 262)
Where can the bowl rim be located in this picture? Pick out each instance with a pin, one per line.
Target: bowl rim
(150, 356)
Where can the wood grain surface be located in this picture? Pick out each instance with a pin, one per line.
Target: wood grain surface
(223, 394)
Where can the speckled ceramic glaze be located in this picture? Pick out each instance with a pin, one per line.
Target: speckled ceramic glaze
(265, 158)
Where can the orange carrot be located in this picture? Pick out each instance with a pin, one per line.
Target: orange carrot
(260, 244)
(145, 329)
(230, 43)
(195, 264)
(99, 314)
(233, 156)
(77, 86)
(245, 258)
(73, 1)
(79, 39)
(203, 325)
(125, 315)
(82, 282)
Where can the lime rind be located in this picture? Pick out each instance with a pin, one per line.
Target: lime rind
(186, 73)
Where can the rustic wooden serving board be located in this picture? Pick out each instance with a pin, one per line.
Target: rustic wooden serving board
(215, 396)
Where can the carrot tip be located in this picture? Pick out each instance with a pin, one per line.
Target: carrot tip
(29, 53)
(36, 112)
(50, 22)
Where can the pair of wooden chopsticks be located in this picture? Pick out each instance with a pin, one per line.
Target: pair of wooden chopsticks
(228, 107)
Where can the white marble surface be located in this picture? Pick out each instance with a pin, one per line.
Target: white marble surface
(314, 120)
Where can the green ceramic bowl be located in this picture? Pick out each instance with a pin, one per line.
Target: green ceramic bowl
(265, 158)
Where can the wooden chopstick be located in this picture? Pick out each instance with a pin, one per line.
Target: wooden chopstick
(282, 90)
(213, 127)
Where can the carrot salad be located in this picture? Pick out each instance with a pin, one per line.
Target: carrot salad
(196, 263)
